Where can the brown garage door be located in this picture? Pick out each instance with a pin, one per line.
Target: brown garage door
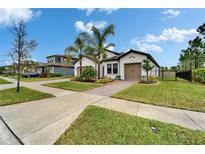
(133, 71)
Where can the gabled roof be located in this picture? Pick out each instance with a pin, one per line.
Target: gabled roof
(134, 51)
(59, 55)
(56, 55)
(117, 53)
(55, 64)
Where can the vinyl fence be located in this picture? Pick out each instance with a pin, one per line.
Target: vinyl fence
(187, 75)
(168, 75)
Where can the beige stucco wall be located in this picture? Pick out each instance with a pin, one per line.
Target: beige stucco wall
(85, 62)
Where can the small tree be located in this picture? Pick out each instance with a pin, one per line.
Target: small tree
(21, 49)
(147, 67)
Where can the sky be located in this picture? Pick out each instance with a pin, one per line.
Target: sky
(161, 32)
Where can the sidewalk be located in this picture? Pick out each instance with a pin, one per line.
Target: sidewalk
(6, 137)
(43, 121)
(37, 86)
(188, 119)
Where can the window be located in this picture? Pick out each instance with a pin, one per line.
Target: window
(109, 68)
(115, 68)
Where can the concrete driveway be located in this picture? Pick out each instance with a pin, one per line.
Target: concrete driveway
(111, 88)
(43, 121)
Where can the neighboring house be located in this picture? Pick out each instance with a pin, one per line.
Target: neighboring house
(126, 66)
(57, 64)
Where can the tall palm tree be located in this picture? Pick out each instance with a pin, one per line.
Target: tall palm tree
(98, 46)
(77, 49)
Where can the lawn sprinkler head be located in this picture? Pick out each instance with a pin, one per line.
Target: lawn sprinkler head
(154, 129)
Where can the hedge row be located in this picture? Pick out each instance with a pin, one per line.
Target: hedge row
(199, 75)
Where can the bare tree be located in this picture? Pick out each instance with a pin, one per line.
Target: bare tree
(21, 49)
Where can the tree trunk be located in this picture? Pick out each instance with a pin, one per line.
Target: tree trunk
(80, 65)
(98, 66)
(147, 76)
(80, 61)
(98, 69)
(18, 75)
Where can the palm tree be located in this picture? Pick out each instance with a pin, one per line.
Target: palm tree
(98, 45)
(78, 50)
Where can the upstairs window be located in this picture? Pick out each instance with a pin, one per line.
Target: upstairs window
(109, 68)
(115, 68)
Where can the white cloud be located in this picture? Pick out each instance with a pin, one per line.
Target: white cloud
(83, 27)
(171, 13)
(107, 11)
(141, 45)
(172, 35)
(111, 48)
(88, 11)
(151, 42)
(10, 16)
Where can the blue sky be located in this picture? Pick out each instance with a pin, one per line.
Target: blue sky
(161, 32)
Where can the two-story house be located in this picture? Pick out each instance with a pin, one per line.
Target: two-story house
(57, 64)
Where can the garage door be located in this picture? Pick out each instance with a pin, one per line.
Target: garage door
(133, 71)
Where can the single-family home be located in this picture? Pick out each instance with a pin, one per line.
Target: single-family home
(124, 66)
(57, 64)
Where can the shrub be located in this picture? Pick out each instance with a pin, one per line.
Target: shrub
(88, 74)
(56, 74)
(199, 75)
(104, 80)
(151, 80)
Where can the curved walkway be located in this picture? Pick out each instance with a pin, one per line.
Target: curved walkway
(38, 86)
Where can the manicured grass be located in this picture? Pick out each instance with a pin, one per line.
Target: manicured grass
(74, 86)
(102, 126)
(34, 79)
(4, 81)
(10, 96)
(177, 94)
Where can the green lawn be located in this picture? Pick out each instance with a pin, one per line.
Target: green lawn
(34, 79)
(10, 96)
(74, 86)
(102, 126)
(4, 81)
(177, 94)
